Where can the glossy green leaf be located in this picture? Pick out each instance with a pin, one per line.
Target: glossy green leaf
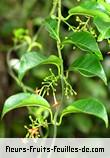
(51, 25)
(103, 27)
(105, 4)
(24, 100)
(90, 8)
(33, 59)
(85, 41)
(87, 106)
(89, 66)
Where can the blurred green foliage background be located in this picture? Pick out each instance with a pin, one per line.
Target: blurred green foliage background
(29, 15)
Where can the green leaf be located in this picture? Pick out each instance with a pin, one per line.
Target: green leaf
(103, 27)
(89, 66)
(105, 4)
(33, 59)
(87, 106)
(85, 41)
(51, 25)
(90, 8)
(24, 100)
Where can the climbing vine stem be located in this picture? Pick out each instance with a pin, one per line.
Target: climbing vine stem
(54, 7)
(62, 69)
(59, 48)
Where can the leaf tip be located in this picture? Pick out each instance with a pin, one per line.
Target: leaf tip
(106, 123)
(105, 80)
